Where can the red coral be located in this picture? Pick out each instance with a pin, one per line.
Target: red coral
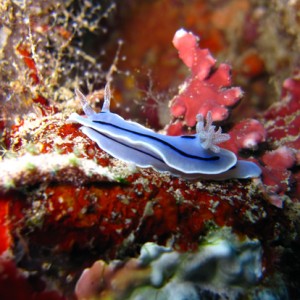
(281, 158)
(276, 183)
(208, 88)
(282, 123)
(247, 134)
(276, 176)
(283, 118)
(281, 133)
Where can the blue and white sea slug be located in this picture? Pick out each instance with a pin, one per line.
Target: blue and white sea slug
(189, 156)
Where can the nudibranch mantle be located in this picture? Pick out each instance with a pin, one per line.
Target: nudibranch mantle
(189, 157)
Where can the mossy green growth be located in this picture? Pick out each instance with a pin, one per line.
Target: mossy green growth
(32, 149)
(121, 180)
(30, 166)
(9, 184)
(73, 161)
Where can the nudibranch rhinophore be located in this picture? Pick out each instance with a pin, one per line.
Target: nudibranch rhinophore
(188, 156)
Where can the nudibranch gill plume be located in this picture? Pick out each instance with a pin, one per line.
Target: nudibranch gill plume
(188, 156)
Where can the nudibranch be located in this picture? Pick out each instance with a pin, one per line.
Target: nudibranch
(188, 156)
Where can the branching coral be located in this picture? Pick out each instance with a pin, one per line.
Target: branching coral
(207, 89)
